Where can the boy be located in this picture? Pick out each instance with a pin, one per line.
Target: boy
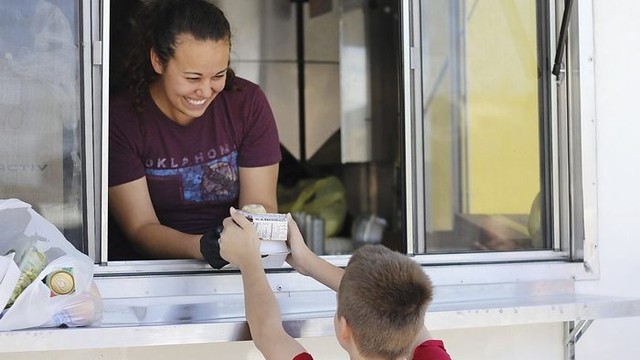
(381, 302)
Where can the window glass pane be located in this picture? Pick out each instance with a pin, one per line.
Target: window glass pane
(481, 120)
(40, 122)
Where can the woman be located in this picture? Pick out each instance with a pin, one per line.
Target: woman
(188, 139)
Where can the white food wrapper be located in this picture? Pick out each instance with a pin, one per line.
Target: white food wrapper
(270, 226)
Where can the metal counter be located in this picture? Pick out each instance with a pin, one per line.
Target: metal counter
(210, 308)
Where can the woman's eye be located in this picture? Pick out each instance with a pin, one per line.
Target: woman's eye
(193, 79)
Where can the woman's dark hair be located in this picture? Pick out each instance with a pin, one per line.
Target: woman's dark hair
(157, 25)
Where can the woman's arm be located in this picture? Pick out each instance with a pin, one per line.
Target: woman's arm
(258, 185)
(130, 205)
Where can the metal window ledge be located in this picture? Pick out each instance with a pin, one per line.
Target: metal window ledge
(163, 317)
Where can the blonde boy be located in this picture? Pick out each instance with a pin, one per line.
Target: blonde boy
(381, 303)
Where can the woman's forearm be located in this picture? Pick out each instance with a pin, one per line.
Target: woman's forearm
(162, 242)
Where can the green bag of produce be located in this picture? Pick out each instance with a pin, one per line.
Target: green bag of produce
(325, 197)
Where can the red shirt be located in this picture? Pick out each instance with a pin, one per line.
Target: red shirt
(431, 350)
(303, 356)
(428, 350)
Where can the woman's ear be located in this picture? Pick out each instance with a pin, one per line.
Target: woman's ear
(155, 62)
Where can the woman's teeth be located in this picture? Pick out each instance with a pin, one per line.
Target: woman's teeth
(196, 102)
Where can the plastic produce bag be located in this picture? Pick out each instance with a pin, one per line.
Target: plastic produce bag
(32, 250)
(325, 197)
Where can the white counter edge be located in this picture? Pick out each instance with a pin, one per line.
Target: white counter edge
(444, 315)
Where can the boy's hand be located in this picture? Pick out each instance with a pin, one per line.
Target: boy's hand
(299, 250)
(239, 243)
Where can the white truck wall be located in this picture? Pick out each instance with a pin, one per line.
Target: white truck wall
(617, 55)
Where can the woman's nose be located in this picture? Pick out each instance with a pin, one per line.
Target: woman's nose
(205, 90)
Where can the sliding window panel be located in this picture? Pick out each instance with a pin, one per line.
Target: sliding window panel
(41, 123)
(481, 120)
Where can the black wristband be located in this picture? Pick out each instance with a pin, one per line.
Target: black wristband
(210, 248)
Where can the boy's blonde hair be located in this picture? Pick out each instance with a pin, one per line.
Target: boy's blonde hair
(383, 296)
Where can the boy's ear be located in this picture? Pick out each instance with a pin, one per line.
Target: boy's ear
(344, 332)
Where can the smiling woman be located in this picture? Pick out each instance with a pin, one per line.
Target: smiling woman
(188, 139)
(192, 79)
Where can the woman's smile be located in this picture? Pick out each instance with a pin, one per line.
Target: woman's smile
(196, 102)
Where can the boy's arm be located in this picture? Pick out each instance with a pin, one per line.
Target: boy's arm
(306, 262)
(239, 244)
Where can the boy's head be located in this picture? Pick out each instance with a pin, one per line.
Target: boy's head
(382, 299)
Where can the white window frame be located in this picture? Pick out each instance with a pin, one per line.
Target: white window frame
(444, 268)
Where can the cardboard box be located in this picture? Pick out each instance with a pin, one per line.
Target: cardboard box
(269, 226)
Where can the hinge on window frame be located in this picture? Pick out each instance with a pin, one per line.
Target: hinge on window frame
(558, 66)
(561, 73)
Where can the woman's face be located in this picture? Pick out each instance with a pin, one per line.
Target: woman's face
(191, 79)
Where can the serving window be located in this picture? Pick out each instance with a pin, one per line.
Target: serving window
(441, 119)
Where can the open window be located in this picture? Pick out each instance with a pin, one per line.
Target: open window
(441, 119)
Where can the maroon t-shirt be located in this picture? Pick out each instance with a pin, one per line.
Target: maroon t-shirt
(192, 171)
(428, 350)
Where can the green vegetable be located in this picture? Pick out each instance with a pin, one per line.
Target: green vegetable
(31, 264)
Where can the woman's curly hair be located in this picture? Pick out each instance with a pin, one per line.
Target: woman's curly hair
(157, 25)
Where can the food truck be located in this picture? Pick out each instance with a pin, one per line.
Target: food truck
(483, 139)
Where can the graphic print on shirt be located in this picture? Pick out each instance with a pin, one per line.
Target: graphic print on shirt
(215, 181)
